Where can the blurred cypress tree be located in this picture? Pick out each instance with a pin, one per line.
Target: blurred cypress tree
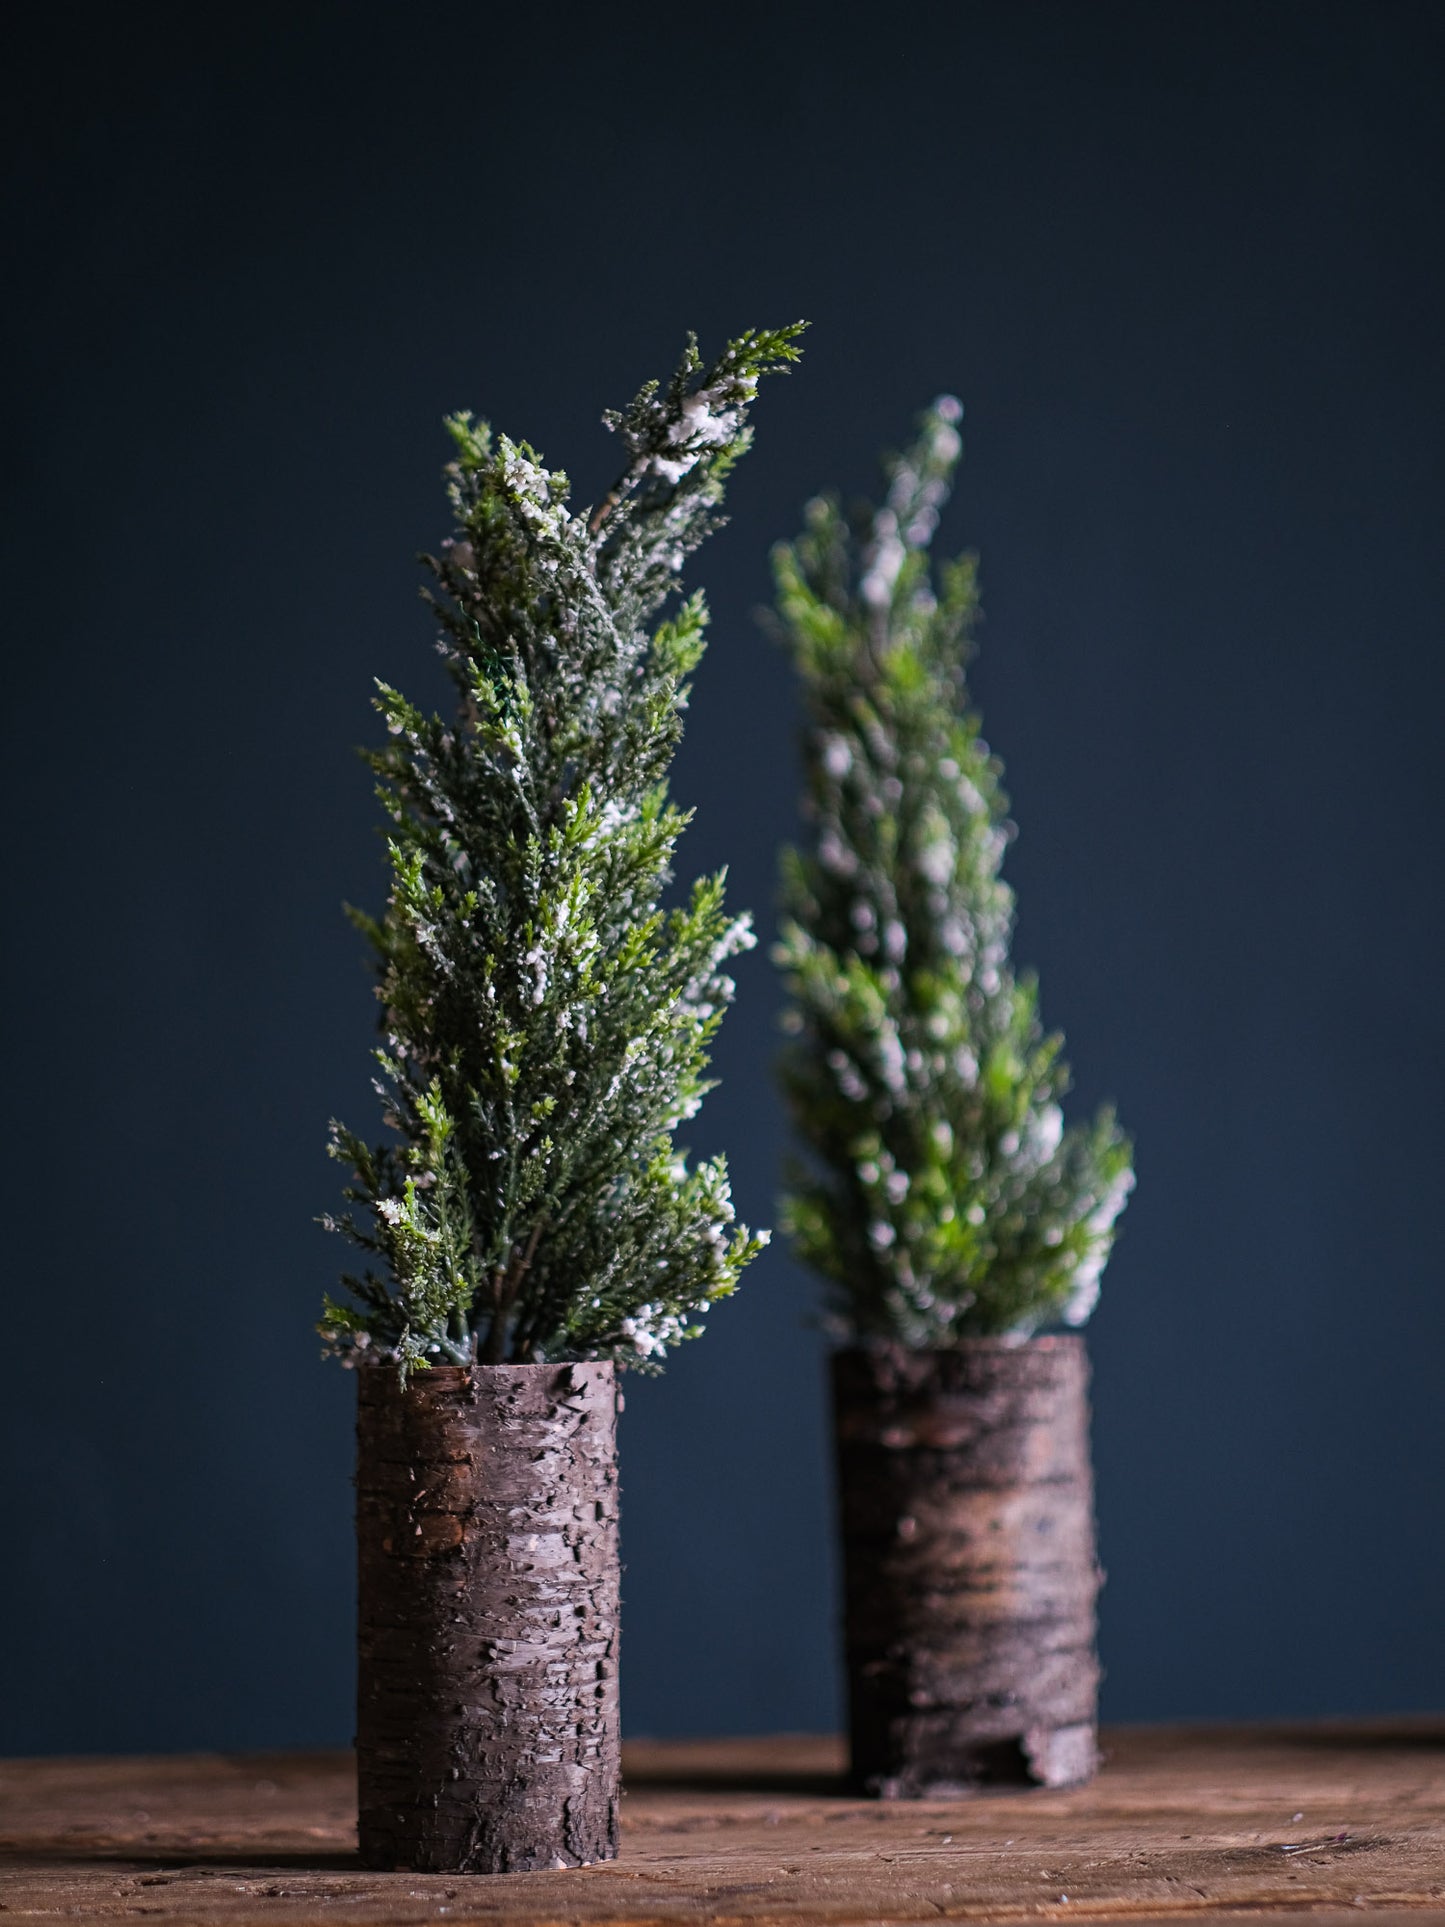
(944, 1195)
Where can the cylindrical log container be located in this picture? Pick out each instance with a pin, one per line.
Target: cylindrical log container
(969, 1565)
(487, 1733)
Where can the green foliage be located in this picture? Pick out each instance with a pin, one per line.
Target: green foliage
(944, 1196)
(546, 1022)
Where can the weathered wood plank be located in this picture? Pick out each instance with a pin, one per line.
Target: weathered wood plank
(1323, 1821)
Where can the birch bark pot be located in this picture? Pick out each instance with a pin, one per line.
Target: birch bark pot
(487, 1732)
(969, 1566)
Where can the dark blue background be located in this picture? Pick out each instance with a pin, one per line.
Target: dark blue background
(1183, 264)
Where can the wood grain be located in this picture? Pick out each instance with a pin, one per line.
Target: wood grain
(1198, 1823)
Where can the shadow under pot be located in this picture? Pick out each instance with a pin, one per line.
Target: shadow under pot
(487, 1733)
(969, 1565)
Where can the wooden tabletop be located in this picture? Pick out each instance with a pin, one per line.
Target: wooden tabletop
(1210, 1823)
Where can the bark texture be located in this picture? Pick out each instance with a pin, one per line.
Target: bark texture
(969, 1565)
(487, 1731)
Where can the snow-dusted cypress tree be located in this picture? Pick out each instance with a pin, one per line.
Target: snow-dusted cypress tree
(944, 1197)
(546, 1021)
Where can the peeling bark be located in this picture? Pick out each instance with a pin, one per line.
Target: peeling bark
(970, 1572)
(487, 1716)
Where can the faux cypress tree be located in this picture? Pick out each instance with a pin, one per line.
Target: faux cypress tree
(546, 1020)
(531, 1220)
(945, 1196)
(947, 1205)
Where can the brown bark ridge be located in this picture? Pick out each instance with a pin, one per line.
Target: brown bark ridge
(487, 1732)
(969, 1566)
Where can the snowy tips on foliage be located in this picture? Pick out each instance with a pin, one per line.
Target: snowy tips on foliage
(942, 1194)
(545, 1022)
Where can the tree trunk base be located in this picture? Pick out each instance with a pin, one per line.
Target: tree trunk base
(970, 1572)
(487, 1715)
